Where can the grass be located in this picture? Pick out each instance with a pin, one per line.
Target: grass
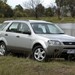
(10, 65)
(50, 19)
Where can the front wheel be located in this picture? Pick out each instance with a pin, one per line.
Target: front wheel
(39, 53)
(3, 50)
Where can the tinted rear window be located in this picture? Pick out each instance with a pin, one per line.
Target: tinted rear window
(2, 26)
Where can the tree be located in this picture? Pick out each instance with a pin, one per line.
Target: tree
(49, 12)
(32, 4)
(4, 1)
(67, 3)
(28, 12)
(19, 11)
(39, 10)
(59, 4)
(5, 10)
(8, 11)
(19, 7)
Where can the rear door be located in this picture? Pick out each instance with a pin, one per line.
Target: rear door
(11, 35)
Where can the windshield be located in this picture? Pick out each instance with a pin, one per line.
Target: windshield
(46, 28)
(2, 26)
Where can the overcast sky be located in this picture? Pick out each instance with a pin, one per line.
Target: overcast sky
(46, 3)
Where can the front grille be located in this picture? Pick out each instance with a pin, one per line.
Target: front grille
(69, 43)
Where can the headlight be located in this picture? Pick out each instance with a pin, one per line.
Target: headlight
(54, 42)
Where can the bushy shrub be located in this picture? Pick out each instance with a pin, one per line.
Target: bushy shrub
(19, 14)
(1, 15)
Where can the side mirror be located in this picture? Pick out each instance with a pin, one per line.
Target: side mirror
(27, 32)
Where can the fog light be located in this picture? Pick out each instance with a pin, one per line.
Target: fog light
(56, 50)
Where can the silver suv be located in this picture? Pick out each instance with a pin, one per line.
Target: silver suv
(41, 39)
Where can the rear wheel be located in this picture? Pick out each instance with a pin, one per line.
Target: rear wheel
(39, 53)
(3, 49)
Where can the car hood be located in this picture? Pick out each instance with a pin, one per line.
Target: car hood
(60, 37)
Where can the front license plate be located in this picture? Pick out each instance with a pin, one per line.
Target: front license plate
(71, 51)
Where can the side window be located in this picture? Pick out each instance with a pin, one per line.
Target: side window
(23, 28)
(13, 27)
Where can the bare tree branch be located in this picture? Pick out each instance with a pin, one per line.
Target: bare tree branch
(32, 4)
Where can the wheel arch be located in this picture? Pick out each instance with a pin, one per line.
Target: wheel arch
(36, 44)
(2, 41)
(41, 43)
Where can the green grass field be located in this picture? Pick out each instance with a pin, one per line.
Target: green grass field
(50, 19)
(10, 65)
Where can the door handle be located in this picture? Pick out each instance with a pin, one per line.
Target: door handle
(6, 34)
(18, 36)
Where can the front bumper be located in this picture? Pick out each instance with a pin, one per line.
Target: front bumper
(58, 50)
(68, 48)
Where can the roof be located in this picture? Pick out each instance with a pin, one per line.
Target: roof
(36, 21)
(27, 21)
(15, 20)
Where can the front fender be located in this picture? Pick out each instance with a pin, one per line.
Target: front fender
(44, 44)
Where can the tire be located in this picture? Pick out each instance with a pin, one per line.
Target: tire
(69, 57)
(66, 57)
(39, 54)
(3, 49)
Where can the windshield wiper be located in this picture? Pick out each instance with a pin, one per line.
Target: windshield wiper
(56, 33)
(60, 33)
